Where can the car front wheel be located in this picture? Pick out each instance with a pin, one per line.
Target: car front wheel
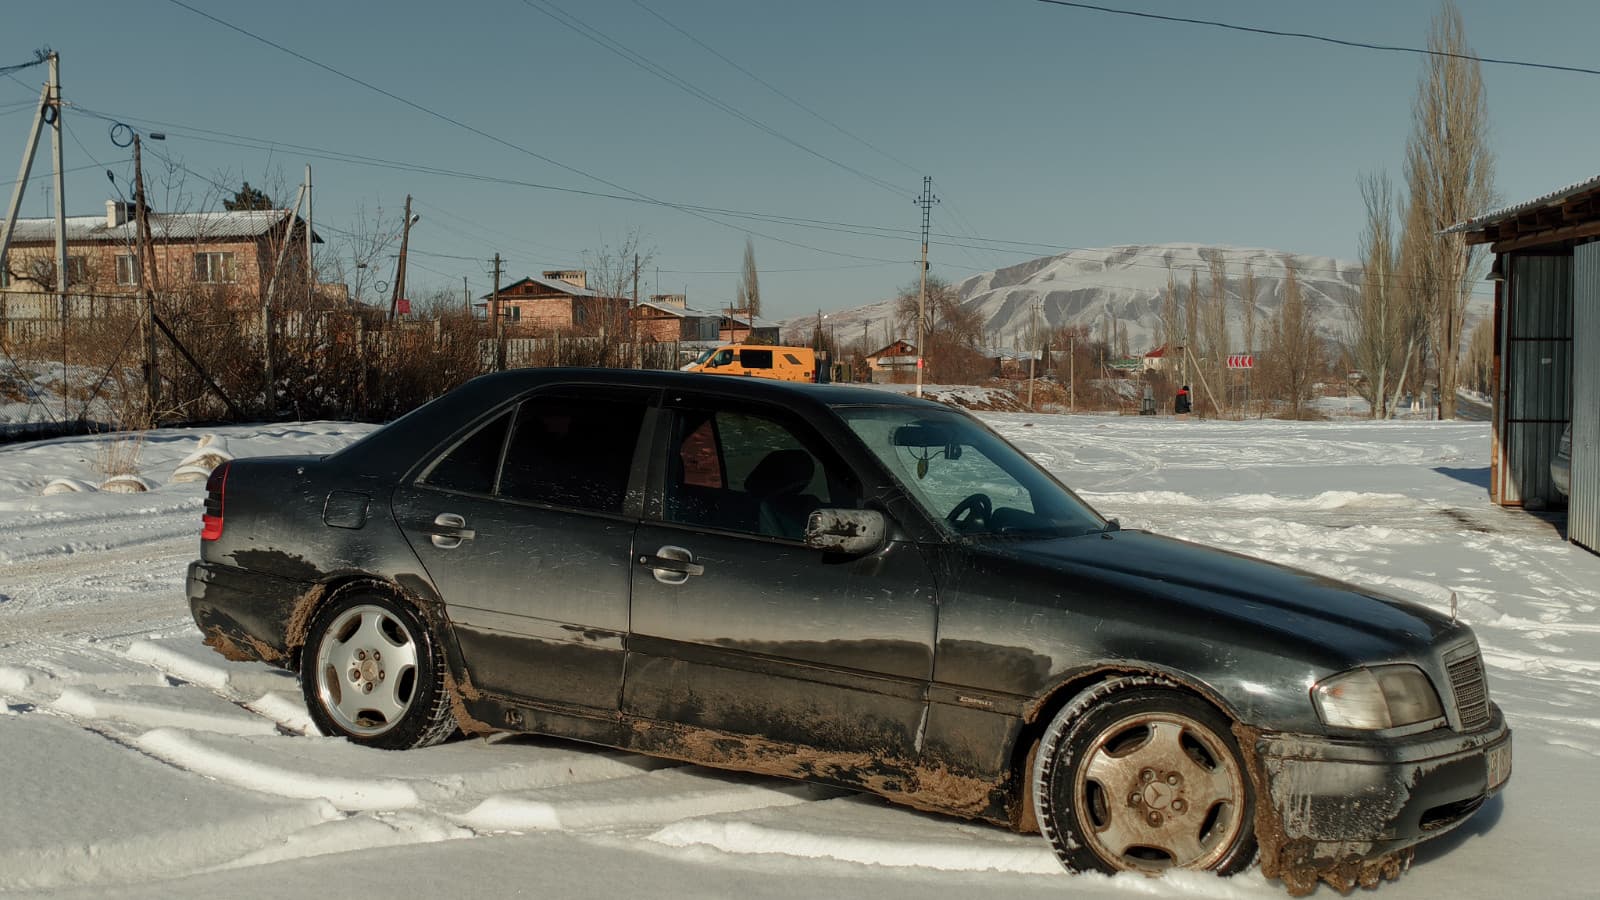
(1140, 777)
(370, 672)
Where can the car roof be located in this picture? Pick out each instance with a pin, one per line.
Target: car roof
(517, 380)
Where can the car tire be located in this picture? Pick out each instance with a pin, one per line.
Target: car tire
(372, 672)
(1137, 775)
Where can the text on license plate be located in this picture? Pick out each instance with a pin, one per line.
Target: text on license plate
(1499, 763)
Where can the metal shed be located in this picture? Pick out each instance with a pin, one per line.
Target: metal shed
(1547, 349)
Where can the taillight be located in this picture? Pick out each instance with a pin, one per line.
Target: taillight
(216, 488)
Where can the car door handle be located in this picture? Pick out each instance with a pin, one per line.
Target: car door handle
(672, 565)
(448, 531)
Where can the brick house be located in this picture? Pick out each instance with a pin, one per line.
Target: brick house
(560, 301)
(216, 249)
(899, 359)
(668, 317)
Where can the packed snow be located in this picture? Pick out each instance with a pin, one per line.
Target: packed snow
(140, 764)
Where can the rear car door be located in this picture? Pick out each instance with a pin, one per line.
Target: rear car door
(525, 525)
(738, 626)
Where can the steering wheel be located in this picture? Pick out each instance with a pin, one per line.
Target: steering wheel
(972, 512)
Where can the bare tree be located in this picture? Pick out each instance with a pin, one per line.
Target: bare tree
(1171, 322)
(1479, 376)
(1295, 354)
(1450, 175)
(612, 273)
(1214, 333)
(1247, 299)
(748, 292)
(1191, 322)
(1379, 341)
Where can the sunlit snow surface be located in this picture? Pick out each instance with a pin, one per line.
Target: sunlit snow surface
(139, 763)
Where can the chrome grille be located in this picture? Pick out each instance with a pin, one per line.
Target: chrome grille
(1471, 691)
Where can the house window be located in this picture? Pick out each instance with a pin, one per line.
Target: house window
(127, 270)
(77, 270)
(213, 268)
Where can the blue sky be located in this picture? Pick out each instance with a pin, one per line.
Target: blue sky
(1061, 127)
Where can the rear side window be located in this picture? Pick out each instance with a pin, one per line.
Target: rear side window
(471, 465)
(755, 359)
(571, 451)
(791, 358)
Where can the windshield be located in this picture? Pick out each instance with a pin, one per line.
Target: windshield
(966, 477)
(704, 355)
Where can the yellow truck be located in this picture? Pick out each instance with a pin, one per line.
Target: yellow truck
(759, 361)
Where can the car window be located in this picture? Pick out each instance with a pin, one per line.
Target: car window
(793, 360)
(967, 478)
(755, 359)
(471, 465)
(749, 473)
(572, 451)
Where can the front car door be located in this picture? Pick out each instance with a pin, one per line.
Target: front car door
(740, 629)
(525, 524)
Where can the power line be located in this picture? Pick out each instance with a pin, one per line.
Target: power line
(1303, 35)
(576, 24)
(773, 88)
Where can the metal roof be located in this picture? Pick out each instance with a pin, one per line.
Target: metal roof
(682, 312)
(201, 226)
(563, 287)
(1554, 198)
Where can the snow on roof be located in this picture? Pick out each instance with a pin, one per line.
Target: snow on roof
(200, 226)
(1554, 198)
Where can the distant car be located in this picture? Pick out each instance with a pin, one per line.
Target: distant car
(1561, 464)
(850, 587)
(760, 361)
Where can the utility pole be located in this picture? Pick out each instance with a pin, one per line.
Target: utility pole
(1072, 370)
(466, 296)
(62, 275)
(311, 272)
(400, 264)
(494, 313)
(1033, 329)
(15, 208)
(926, 201)
(272, 284)
(141, 221)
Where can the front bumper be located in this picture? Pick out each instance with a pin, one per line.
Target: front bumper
(1338, 798)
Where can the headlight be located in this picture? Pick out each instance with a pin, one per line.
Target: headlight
(1375, 698)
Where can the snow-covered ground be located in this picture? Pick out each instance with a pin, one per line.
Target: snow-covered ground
(139, 764)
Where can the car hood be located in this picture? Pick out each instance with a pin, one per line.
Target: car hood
(1232, 596)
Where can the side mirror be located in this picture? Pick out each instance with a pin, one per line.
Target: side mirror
(852, 532)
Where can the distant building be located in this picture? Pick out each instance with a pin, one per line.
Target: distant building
(894, 362)
(668, 317)
(226, 249)
(560, 301)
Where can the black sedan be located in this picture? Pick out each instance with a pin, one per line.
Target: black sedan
(855, 588)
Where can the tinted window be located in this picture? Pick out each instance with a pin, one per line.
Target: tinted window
(470, 466)
(572, 451)
(755, 359)
(791, 358)
(751, 474)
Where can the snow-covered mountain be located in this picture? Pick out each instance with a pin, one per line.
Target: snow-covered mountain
(1124, 285)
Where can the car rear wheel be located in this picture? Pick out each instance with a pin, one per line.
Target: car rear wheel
(371, 673)
(1144, 778)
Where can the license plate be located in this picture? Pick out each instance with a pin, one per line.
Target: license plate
(1499, 764)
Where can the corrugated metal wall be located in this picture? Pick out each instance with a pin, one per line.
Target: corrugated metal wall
(1537, 361)
(1583, 515)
